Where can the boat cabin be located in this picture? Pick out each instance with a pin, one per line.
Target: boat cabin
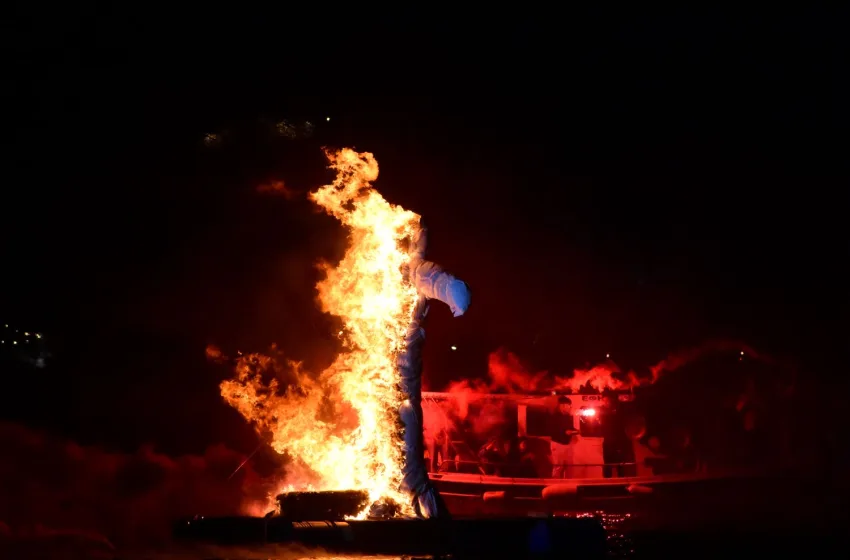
(511, 435)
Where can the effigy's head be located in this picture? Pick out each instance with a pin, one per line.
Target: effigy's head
(419, 241)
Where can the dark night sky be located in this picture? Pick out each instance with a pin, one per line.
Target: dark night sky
(631, 185)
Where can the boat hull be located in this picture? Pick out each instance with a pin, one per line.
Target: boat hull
(481, 495)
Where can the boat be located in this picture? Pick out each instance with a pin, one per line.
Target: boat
(471, 485)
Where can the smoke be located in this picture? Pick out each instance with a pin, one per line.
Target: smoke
(505, 374)
(278, 188)
(603, 377)
(62, 490)
(508, 374)
(684, 357)
(608, 376)
(215, 355)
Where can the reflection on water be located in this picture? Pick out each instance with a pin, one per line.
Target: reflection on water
(620, 546)
(266, 552)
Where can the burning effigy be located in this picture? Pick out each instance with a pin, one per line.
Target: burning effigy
(358, 424)
(431, 282)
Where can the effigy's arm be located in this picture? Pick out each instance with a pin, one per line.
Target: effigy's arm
(433, 282)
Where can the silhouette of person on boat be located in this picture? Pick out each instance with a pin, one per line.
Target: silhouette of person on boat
(496, 456)
(562, 433)
(617, 449)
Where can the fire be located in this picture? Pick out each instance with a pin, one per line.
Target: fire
(370, 293)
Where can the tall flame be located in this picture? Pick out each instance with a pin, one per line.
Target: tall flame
(369, 291)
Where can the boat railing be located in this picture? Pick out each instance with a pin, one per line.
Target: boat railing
(510, 468)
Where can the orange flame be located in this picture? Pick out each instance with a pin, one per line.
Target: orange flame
(369, 292)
